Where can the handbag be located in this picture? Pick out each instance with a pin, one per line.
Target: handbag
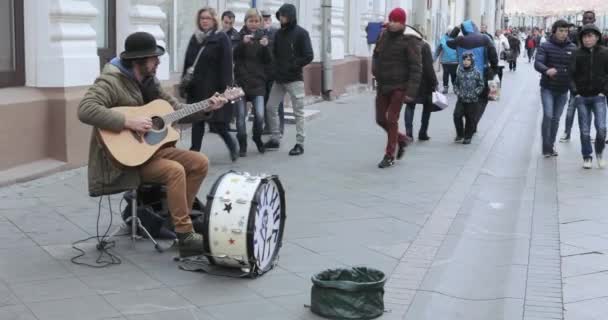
(186, 80)
(440, 101)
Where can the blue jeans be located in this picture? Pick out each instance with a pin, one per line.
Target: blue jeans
(570, 115)
(586, 106)
(258, 113)
(553, 106)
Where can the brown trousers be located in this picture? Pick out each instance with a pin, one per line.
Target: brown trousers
(182, 172)
(388, 108)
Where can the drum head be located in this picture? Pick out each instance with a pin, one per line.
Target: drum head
(266, 224)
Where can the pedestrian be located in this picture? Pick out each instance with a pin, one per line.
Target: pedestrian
(588, 18)
(515, 47)
(212, 52)
(428, 85)
(449, 60)
(553, 62)
(501, 43)
(251, 59)
(469, 85)
(228, 27)
(397, 66)
(530, 47)
(292, 51)
(589, 72)
(486, 59)
(271, 31)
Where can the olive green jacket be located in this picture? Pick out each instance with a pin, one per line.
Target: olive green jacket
(111, 89)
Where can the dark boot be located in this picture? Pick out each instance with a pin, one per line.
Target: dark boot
(297, 150)
(259, 144)
(242, 144)
(190, 244)
(386, 162)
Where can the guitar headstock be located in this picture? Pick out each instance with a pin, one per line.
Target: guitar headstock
(233, 93)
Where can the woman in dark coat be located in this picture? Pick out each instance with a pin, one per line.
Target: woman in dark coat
(212, 73)
(515, 46)
(425, 92)
(251, 60)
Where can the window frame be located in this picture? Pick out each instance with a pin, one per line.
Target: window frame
(109, 52)
(16, 77)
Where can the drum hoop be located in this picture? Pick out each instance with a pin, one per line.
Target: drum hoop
(255, 268)
(207, 215)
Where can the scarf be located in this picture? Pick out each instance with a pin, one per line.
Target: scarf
(202, 35)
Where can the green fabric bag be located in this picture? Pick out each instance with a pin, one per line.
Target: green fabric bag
(356, 293)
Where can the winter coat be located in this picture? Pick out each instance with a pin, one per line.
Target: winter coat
(502, 45)
(553, 54)
(234, 36)
(270, 33)
(397, 63)
(589, 68)
(530, 42)
(292, 49)
(448, 55)
(428, 82)
(250, 63)
(479, 44)
(469, 84)
(111, 89)
(213, 71)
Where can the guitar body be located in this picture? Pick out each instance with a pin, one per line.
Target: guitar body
(132, 149)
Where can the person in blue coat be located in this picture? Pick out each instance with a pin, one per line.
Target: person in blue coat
(449, 60)
(484, 53)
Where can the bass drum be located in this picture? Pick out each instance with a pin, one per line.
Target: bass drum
(244, 221)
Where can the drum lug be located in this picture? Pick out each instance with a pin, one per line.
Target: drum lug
(224, 199)
(237, 231)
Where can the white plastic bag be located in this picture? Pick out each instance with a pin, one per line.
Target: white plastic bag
(494, 86)
(440, 101)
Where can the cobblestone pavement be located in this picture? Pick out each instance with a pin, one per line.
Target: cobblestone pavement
(489, 230)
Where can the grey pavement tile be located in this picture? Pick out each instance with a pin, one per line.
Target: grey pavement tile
(79, 308)
(147, 301)
(436, 306)
(16, 312)
(582, 228)
(583, 264)
(205, 294)
(586, 287)
(255, 310)
(595, 309)
(308, 263)
(295, 305)
(23, 204)
(29, 264)
(12, 237)
(161, 267)
(478, 281)
(56, 289)
(7, 297)
(592, 243)
(467, 251)
(121, 282)
(394, 250)
(273, 285)
(181, 314)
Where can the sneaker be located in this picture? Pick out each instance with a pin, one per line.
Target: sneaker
(458, 139)
(386, 162)
(297, 150)
(423, 137)
(466, 141)
(259, 144)
(401, 149)
(547, 154)
(600, 161)
(587, 163)
(445, 90)
(272, 144)
(190, 244)
(565, 138)
(554, 153)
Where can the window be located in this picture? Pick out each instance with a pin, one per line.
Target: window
(105, 24)
(11, 37)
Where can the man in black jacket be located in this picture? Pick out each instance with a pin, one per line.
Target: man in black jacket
(228, 28)
(553, 62)
(589, 74)
(292, 51)
(270, 32)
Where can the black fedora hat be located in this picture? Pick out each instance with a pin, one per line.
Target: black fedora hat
(141, 45)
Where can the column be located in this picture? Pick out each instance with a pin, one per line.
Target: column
(142, 15)
(60, 44)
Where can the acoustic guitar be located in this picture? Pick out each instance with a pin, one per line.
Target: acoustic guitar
(131, 149)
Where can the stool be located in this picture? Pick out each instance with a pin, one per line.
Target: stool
(133, 196)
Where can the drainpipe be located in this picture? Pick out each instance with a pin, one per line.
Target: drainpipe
(327, 72)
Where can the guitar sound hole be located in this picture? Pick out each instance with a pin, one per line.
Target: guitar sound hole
(158, 123)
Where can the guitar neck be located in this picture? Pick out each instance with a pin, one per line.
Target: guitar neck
(187, 110)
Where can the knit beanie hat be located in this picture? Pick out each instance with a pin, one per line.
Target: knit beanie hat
(398, 15)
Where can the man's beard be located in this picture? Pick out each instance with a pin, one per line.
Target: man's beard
(144, 72)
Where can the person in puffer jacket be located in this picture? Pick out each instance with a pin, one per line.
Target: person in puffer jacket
(449, 59)
(469, 85)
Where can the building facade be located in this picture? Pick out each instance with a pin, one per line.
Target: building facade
(52, 50)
